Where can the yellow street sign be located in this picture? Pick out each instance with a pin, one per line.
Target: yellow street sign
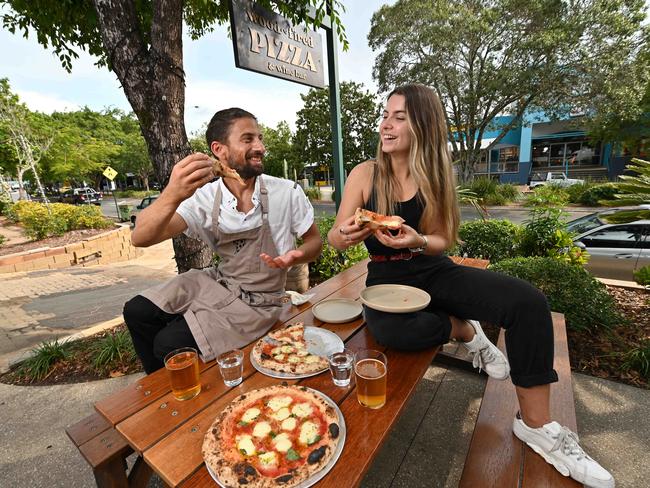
(110, 173)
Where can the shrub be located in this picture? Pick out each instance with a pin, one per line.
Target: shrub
(332, 261)
(569, 289)
(545, 235)
(508, 191)
(642, 276)
(547, 196)
(135, 193)
(5, 202)
(576, 191)
(40, 223)
(594, 195)
(489, 239)
(2, 239)
(313, 193)
(44, 357)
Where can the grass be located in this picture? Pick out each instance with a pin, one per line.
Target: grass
(45, 356)
(135, 193)
(638, 359)
(113, 349)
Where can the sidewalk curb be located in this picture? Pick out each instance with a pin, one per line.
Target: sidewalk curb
(7, 361)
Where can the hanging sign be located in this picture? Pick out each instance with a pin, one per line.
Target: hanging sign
(267, 43)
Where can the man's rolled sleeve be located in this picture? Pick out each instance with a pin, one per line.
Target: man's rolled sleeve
(302, 212)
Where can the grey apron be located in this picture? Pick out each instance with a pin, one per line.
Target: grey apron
(234, 304)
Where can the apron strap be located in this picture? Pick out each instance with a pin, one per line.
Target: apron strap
(264, 200)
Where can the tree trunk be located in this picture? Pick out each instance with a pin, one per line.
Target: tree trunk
(154, 83)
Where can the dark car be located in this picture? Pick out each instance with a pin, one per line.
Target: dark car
(146, 201)
(81, 196)
(617, 240)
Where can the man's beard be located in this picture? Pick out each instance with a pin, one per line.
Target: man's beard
(245, 169)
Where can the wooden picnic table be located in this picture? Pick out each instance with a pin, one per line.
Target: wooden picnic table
(167, 434)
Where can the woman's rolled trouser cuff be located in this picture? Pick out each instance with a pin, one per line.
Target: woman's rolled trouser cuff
(528, 381)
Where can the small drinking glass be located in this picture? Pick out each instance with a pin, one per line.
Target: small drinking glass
(183, 368)
(341, 366)
(231, 365)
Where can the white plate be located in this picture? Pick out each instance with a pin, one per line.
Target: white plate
(319, 475)
(337, 310)
(320, 342)
(395, 298)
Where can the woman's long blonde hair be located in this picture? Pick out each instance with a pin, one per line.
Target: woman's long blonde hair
(429, 164)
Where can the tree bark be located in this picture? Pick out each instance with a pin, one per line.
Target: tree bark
(153, 80)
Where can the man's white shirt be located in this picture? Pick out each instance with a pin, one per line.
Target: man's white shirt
(290, 212)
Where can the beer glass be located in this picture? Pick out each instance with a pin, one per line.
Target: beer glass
(183, 368)
(371, 369)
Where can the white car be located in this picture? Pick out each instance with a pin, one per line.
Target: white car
(553, 178)
(618, 241)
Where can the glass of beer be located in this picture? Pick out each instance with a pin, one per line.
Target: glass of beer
(371, 369)
(183, 368)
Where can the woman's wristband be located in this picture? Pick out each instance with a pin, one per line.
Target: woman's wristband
(423, 247)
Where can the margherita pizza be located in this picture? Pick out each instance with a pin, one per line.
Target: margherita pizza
(220, 170)
(272, 437)
(363, 217)
(285, 351)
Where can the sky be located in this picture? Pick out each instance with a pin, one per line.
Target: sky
(212, 80)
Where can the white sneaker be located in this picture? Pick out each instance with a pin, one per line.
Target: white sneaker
(559, 447)
(486, 355)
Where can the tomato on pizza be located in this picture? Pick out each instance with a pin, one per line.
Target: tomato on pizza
(285, 351)
(373, 220)
(275, 436)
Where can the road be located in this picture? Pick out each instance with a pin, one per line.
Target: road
(108, 205)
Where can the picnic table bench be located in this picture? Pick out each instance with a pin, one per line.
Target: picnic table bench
(167, 434)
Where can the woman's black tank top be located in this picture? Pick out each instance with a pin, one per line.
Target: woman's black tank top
(410, 210)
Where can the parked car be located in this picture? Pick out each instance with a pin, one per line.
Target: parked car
(146, 201)
(559, 179)
(618, 241)
(80, 196)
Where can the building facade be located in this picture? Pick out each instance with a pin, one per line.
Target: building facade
(541, 145)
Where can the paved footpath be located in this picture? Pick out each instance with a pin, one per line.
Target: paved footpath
(44, 305)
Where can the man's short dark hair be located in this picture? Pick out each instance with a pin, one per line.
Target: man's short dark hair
(219, 126)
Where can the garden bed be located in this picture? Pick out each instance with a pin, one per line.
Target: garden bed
(67, 238)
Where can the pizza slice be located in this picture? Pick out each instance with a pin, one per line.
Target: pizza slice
(285, 350)
(373, 220)
(221, 170)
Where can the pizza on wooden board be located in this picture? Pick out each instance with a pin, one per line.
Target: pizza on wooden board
(285, 351)
(373, 220)
(278, 436)
(220, 170)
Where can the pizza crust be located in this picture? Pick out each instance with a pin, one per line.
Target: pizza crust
(373, 220)
(220, 170)
(234, 469)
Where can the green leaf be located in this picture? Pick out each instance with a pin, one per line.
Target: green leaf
(292, 455)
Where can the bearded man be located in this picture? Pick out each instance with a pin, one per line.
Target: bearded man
(251, 222)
